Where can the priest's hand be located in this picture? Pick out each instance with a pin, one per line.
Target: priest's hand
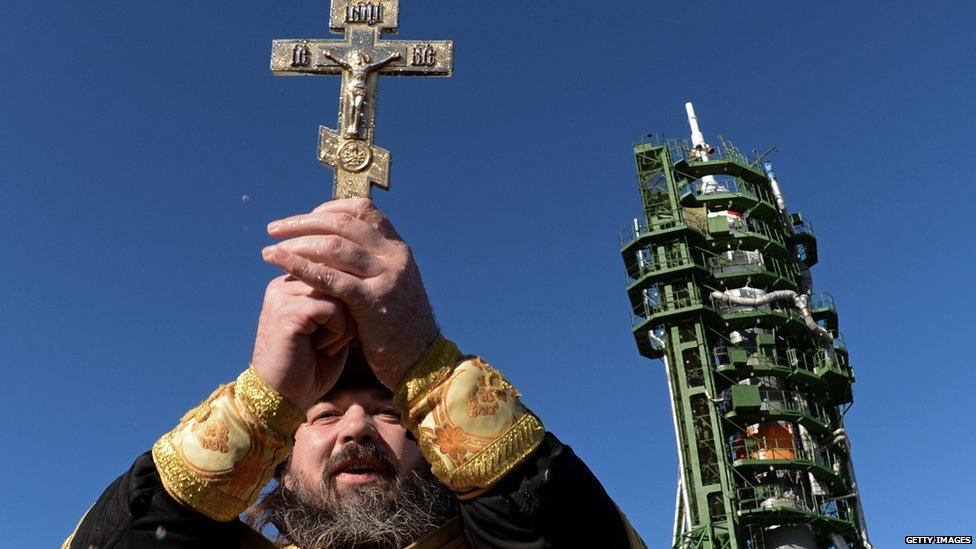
(348, 249)
(302, 341)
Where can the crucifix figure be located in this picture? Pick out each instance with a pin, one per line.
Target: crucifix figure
(360, 58)
(359, 67)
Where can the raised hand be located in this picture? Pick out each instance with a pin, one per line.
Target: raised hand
(302, 341)
(349, 250)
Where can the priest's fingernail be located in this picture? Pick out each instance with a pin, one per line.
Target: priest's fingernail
(273, 226)
(268, 252)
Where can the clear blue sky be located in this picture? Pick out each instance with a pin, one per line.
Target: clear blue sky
(131, 276)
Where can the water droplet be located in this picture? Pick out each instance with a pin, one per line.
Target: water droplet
(382, 310)
(376, 225)
(246, 198)
(160, 533)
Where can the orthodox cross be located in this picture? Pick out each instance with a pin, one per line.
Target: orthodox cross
(360, 58)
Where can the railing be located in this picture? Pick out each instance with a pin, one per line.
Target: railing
(723, 185)
(783, 400)
(741, 261)
(633, 232)
(765, 496)
(728, 151)
(656, 139)
(839, 341)
(654, 303)
(836, 508)
(792, 496)
(781, 357)
(778, 400)
(804, 227)
(765, 448)
(771, 447)
(755, 226)
(822, 300)
(649, 264)
(681, 149)
(748, 263)
(826, 459)
(675, 146)
(780, 307)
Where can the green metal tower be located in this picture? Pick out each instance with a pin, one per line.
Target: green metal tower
(759, 377)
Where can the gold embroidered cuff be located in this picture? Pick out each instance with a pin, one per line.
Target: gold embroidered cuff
(433, 367)
(226, 449)
(469, 422)
(270, 407)
(499, 458)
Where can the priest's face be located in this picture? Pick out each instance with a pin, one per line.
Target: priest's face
(354, 479)
(352, 441)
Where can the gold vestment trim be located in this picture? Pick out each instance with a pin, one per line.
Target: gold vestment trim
(433, 367)
(226, 449)
(461, 453)
(270, 407)
(183, 484)
(503, 455)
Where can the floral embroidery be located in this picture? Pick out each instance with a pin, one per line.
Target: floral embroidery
(451, 441)
(215, 436)
(491, 388)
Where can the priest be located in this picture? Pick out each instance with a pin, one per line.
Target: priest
(373, 429)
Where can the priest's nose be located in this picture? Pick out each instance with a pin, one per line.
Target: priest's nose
(357, 426)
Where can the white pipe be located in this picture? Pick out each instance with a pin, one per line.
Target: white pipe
(806, 279)
(778, 194)
(800, 301)
(682, 479)
(676, 531)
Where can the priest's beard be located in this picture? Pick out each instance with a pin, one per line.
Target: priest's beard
(390, 514)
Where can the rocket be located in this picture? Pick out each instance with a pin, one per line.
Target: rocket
(700, 150)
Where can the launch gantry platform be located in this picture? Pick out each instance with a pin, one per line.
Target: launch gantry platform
(759, 376)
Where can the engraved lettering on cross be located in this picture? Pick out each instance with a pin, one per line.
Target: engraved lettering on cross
(300, 55)
(424, 55)
(370, 13)
(360, 58)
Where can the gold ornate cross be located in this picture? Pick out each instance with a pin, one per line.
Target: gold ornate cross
(360, 58)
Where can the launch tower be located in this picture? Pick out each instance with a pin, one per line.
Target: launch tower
(759, 377)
